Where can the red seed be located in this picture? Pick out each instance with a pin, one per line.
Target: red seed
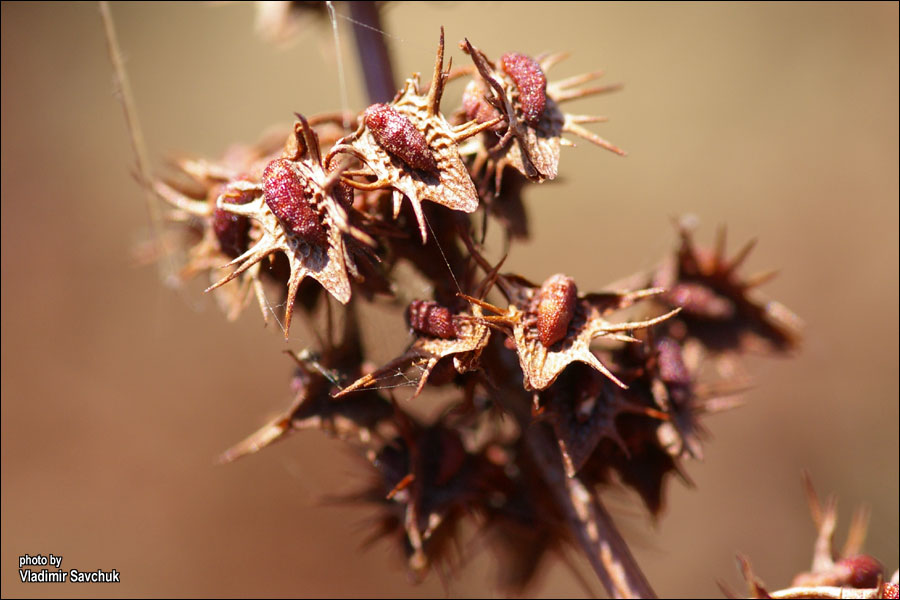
(230, 229)
(672, 369)
(526, 73)
(342, 192)
(398, 136)
(556, 307)
(700, 301)
(431, 318)
(290, 199)
(861, 571)
(476, 107)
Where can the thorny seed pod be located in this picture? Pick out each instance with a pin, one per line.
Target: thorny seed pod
(223, 234)
(400, 142)
(431, 318)
(578, 320)
(853, 576)
(425, 484)
(556, 308)
(530, 107)
(296, 213)
(722, 308)
(526, 73)
(470, 336)
(396, 134)
(289, 198)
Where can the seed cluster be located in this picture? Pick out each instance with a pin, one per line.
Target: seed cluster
(553, 395)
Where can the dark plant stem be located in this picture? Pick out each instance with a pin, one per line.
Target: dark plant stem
(592, 528)
(373, 52)
(590, 524)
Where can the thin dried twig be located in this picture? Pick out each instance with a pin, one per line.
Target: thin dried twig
(123, 88)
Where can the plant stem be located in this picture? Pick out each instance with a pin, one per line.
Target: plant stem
(590, 524)
(373, 52)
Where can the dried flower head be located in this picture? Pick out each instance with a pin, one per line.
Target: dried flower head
(847, 567)
(582, 407)
(409, 147)
(300, 209)
(428, 483)
(217, 236)
(518, 92)
(834, 574)
(602, 429)
(551, 327)
(721, 309)
(462, 337)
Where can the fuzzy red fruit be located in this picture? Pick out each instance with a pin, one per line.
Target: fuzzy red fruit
(431, 318)
(556, 307)
(290, 199)
(526, 73)
(399, 137)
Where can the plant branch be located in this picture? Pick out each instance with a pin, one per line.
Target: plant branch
(589, 522)
(373, 52)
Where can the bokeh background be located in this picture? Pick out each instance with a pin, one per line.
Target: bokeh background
(779, 120)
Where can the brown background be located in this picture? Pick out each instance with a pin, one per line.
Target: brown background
(117, 393)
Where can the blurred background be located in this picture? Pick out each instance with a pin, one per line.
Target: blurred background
(779, 120)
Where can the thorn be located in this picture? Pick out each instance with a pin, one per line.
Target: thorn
(761, 278)
(741, 256)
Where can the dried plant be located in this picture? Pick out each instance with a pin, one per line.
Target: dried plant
(559, 392)
(834, 574)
